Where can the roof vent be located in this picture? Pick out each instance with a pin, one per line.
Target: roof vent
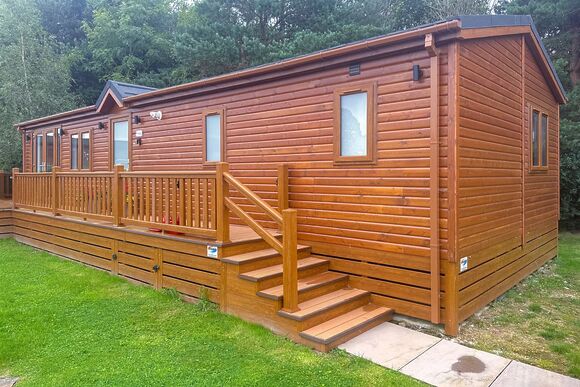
(354, 69)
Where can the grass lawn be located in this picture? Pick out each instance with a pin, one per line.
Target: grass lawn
(65, 324)
(538, 321)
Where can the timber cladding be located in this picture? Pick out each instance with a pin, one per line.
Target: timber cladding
(508, 213)
(140, 257)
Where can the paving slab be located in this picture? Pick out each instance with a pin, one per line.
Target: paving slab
(519, 374)
(390, 345)
(7, 381)
(451, 364)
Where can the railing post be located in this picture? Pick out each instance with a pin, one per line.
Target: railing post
(222, 212)
(290, 259)
(55, 190)
(14, 197)
(117, 195)
(2, 182)
(282, 187)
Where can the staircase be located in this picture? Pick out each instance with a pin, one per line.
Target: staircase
(278, 283)
(329, 313)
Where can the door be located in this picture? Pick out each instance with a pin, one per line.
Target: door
(120, 144)
(45, 151)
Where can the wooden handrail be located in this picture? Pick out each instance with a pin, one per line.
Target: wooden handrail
(287, 219)
(261, 231)
(275, 215)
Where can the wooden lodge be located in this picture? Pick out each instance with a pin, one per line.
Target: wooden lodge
(415, 173)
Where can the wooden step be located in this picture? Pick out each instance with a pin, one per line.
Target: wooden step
(259, 259)
(308, 284)
(327, 302)
(342, 328)
(276, 270)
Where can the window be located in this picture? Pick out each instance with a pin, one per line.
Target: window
(74, 151)
(85, 150)
(354, 124)
(213, 132)
(49, 162)
(539, 137)
(39, 163)
(121, 143)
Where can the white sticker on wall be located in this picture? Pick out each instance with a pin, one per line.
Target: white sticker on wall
(212, 251)
(463, 264)
(139, 133)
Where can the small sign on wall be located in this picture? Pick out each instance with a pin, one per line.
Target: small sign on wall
(139, 133)
(212, 251)
(463, 264)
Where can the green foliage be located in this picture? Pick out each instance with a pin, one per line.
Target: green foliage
(131, 41)
(34, 78)
(64, 324)
(570, 159)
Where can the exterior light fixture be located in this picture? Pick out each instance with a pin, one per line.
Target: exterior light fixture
(417, 72)
(60, 131)
(136, 119)
(101, 125)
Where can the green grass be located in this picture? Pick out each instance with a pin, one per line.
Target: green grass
(538, 321)
(65, 324)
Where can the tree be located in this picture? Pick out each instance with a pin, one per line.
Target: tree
(34, 78)
(132, 41)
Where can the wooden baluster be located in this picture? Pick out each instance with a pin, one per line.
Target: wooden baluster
(173, 201)
(222, 190)
(205, 204)
(188, 202)
(154, 200)
(197, 207)
(136, 198)
(55, 191)
(182, 202)
(282, 187)
(148, 199)
(290, 260)
(117, 187)
(167, 200)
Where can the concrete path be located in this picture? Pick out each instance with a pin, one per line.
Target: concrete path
(441, 362)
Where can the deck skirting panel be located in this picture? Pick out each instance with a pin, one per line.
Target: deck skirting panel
(145, 259)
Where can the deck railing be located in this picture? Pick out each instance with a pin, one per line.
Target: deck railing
(168, 201)
(196, 203)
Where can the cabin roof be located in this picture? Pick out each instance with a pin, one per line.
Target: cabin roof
(130, 93)
(122, 90)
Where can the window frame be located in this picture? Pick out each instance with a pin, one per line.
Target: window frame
(79, 160)
(370, 89)
(112, 122)
(543, 164)
(204, 115)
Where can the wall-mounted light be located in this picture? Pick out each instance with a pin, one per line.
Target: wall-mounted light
(101, 125)
(156, 115)
(60, 131)
(417, 72)
(136, 119)
(28, 138)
